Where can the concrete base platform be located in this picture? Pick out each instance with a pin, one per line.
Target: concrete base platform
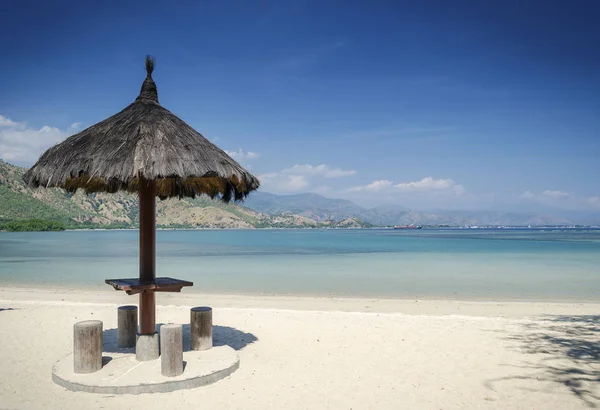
(146, 347)
(121, 373)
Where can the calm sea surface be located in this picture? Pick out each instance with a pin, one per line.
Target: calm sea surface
(461, 264)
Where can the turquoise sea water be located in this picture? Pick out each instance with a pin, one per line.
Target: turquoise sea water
(458, 264)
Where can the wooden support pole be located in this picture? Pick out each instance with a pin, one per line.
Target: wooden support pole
(147, 312)
(127, 325)
(171, 350)
(201, 328)
(147, 205)
(87, 349)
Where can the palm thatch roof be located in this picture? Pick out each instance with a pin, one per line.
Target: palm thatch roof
(145, 141)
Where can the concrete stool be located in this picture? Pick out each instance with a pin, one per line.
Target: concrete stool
(87, 349)
(201, 328)
(127, 328)
(171, 350)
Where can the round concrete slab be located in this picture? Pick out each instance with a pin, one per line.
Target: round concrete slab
(121, 373)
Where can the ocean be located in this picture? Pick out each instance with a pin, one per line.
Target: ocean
(465, 264)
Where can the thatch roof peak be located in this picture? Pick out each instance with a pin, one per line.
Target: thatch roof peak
(149, 91)
(146, 141)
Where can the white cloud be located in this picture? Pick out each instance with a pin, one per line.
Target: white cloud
(23, 145)
(278, 182)
(430, 184)
(528, 195)
(375, 186)
(242, 156)
(426, 184)
(296, 182)
(556, 194)
(75, 126)
(6, 122)
(323, 170)
(301, 178)
(545, 196)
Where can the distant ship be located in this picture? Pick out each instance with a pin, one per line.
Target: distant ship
(407, 227)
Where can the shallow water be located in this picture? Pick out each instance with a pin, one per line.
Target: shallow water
(453, 263)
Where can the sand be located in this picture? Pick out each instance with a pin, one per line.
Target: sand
(325, 353)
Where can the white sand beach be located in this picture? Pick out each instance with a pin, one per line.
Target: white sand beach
(325, 353)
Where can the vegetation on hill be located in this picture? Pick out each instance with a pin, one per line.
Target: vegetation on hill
(28, 225)
(18, 205)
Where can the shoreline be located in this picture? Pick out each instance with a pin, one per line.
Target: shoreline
(431, 228)
(407, 306)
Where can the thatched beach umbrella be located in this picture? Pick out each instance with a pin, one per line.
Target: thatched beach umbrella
(144, 149)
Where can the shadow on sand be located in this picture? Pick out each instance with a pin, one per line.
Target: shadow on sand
(222, 335)
(2, 309)
(571, 345)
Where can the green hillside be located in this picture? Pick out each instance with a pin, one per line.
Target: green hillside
(100, 210)
(16, 205)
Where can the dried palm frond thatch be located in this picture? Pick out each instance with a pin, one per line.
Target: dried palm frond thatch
(145, 141)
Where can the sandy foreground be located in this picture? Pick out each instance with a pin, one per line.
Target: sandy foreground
(327, 353)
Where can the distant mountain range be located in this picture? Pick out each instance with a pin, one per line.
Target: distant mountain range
(319, 208)
(311, 206)
(260, 210)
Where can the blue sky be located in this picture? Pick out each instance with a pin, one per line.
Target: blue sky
(428, 104)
